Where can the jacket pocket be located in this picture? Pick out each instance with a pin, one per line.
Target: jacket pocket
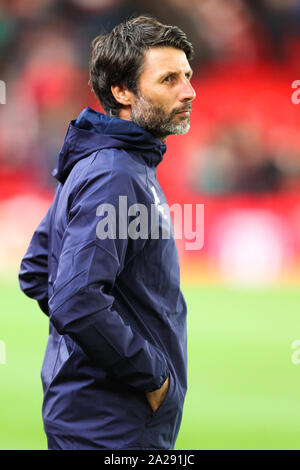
(163, 424)
(167, 400)
(61, 357)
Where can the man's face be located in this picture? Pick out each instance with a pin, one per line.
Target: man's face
(162, 105)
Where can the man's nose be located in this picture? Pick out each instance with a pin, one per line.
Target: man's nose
(187, 92)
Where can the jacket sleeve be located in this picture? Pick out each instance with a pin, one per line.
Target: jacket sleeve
(82, 304)
(33, 274)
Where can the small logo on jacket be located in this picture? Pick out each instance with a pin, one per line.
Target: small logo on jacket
(159, 206)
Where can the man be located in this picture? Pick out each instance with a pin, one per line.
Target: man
(114, 372)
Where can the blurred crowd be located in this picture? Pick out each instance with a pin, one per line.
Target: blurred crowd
(236, 161)
(44, 50)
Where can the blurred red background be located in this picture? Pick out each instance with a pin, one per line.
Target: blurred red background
(241, 157)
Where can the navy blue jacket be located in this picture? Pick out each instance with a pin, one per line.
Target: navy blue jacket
(117, 314)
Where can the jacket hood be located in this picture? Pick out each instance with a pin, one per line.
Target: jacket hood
(93, 131)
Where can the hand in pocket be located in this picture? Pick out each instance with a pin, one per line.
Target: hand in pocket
(156, 397)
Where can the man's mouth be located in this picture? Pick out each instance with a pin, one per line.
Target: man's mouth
(185, 111)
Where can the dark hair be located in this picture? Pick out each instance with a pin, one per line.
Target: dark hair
(117, 58)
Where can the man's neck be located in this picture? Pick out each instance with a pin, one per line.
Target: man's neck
(124, 113)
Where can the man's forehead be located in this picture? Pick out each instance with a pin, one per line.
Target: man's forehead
(160, 59)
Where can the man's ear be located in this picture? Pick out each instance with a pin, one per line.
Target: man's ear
(122, 95)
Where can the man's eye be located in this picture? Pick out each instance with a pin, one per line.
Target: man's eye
(170, 78)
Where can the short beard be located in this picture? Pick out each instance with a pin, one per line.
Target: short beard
(156, 121)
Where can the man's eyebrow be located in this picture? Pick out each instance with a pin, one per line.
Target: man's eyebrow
(175, 72)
